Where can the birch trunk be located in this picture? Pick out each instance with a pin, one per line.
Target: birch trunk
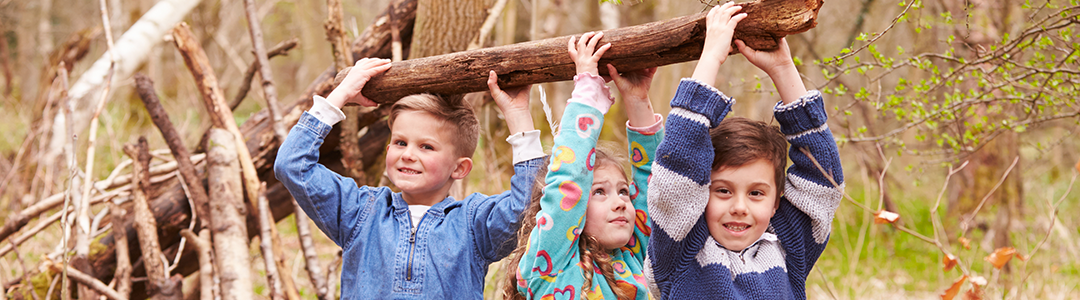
(228, 217)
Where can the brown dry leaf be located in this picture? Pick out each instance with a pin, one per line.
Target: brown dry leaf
(1000, 257)
(954, 289)
(884, 216)
(975, 293)
(1078, 165)
(966, 242)
(949, 260)
(1021, 257)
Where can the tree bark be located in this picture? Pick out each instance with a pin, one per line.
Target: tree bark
(202, 244)
(220, 114)
(133, 48)
(227, 216)
(145, 87)
(637, 47)
(123, 259)
(145, 223)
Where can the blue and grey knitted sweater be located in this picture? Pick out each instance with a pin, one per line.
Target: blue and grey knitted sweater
(686, 262)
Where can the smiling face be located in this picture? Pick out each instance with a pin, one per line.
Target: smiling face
(610, 216)
(421, 158)
(741, 201)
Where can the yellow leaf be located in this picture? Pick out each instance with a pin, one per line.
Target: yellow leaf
(949, 260)
(966, 242)
(1000, 257)
(954, 289)
(884, 216)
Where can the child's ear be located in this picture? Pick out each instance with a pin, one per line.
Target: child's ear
(464, 166)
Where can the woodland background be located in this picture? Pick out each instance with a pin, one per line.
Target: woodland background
(957, 116)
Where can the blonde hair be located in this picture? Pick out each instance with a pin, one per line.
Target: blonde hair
(464, 127)
(590, 250)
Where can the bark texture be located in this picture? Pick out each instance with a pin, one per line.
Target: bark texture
(228, 216)
(637, 47)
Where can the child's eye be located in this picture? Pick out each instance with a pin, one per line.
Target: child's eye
(598, 192)
(400, 143)
(427, 147)
(624, 192)
(757, 193)
(723, 191)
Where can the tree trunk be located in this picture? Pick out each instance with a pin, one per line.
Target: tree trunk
(227, 215)
(637, 47)
(133, 48)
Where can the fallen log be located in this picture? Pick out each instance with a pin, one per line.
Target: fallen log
(633, 48)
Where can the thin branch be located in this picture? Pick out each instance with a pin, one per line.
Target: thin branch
(122, 276)
(273, 279)
(145, 224)
(245, 84)
(88, 281)
(1053, 219)
(966, 223)
(202, 245)
(489, 23)
(265, 72)
(197, 193)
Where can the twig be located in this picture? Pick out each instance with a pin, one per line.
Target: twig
(67, 192)
(52, 287)
(25, 274)
(489, 23)
(331, 269)
(273, 280)
(30, 233)
(967, 222)
(245, 84)
(265, 71)
(1049, 229)
(88, 281)
(311, 263)
(122, 276)
(197, 192)
(82, 243)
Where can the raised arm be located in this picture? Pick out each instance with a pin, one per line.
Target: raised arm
(496, 219)
(334, 202)
(551, 261)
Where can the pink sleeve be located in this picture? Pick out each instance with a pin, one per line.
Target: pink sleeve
(651, 129)
(590, 90)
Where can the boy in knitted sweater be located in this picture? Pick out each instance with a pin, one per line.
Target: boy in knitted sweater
(728, 223)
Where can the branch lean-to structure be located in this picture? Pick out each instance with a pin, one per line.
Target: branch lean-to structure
(168, 200)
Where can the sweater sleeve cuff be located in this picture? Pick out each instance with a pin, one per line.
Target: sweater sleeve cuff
(651, 129)
(325, 112)
(701, 98)
(590, 90)
(526, 145)
(804, 114)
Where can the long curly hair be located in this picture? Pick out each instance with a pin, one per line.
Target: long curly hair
(589, 249)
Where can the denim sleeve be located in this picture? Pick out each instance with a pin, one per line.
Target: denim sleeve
(496, 219)
(333, 202)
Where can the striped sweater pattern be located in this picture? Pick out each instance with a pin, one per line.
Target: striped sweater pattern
(685, 261)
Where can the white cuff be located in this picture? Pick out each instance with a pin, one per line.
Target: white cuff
(325, 112)
(526, 145)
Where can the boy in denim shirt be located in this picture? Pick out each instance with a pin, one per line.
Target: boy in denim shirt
(419, 243)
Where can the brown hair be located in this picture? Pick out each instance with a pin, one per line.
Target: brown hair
(464, 127)
(590, 251)
(738, 141)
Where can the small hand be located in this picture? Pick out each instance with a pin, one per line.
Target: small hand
(720, 26)
(349, 89)
(771, 62)
(582, 52)
(633, 85)
(511, 100)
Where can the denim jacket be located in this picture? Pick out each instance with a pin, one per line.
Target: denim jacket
(448, 255)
